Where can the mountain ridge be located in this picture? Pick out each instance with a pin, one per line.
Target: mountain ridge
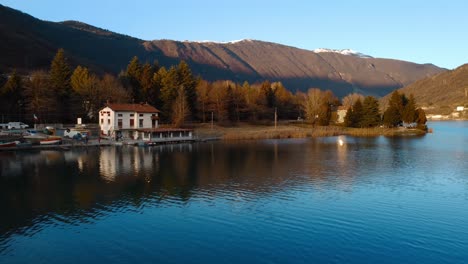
(440, 93)
(31, 43)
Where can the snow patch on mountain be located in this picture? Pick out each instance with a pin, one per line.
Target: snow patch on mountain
(348, 52)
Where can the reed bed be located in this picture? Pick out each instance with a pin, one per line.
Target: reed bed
(256, 132)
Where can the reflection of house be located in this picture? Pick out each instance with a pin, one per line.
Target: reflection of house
(341, 113)
(127, 119)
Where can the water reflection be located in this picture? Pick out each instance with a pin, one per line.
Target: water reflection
(74, 187)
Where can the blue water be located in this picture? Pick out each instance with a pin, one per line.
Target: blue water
(368, 200)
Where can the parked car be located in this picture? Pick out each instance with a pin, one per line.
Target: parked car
(17, 125)
(76, 133)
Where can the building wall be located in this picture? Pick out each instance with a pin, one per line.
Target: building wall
(341, 116)
(109, 121)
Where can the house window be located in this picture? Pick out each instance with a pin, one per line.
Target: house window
(108, 113)
(119, 123)
(102, 121)
(140, 115)
(108, 121)
(132, 115)
(132, 122)
(140, 123)
(119, 115)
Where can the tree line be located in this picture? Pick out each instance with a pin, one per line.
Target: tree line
(365, 112)
(62, 94)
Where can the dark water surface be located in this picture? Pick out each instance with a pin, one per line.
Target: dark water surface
(369, 200)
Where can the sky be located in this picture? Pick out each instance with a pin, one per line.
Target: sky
(417, 31)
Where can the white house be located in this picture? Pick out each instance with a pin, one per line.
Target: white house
(128, 120)
(341, 113)
(460, 108)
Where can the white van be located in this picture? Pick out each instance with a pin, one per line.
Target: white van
(17, 125)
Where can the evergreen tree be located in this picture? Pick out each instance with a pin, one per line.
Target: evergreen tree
(370, 113)
(409, 114)
(393, 115)
(354, 115)
(59, 81)
(169, 86)
(358, 111)
(147, 82)
(349, 119)
(131, 79)
(13, 104)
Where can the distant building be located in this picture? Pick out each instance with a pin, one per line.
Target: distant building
(341, 113)
(127, 120)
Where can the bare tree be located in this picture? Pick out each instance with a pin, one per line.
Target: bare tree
(351, 99)
(180, 108)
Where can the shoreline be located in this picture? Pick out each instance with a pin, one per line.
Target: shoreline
(258, 132)
(204, 133)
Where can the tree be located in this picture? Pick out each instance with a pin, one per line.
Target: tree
(186, 79)
(39, 101)
(130, 78)
(110, 89)
(349, 100)
(12, 91)
(169, 86)
(85, 88)
(393, 115)
(285, 101)
(203, 90)
(218, 99)
(409, 114)
(180, 108)
(317, 105)
(354, 115)
(59, 81)
(370, 113)
(421, 119)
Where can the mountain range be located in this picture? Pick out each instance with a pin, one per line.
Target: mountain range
(29, 43)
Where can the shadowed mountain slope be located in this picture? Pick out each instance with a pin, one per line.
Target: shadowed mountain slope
(29, 43)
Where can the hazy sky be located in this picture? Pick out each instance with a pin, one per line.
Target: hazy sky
(419, 31)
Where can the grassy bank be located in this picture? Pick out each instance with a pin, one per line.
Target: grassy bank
(246, 132)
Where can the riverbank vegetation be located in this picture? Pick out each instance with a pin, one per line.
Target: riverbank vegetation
(284, 131)
(61, 95)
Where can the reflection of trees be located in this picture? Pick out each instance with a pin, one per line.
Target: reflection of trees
(81, 184)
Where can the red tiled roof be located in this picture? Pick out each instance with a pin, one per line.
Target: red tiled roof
(139, 108)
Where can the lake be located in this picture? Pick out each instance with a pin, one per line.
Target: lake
(324, 200)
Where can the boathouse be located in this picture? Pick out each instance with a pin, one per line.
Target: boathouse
(138, 122)
(127, 120)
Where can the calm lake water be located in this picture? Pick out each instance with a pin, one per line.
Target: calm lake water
(369, 200)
